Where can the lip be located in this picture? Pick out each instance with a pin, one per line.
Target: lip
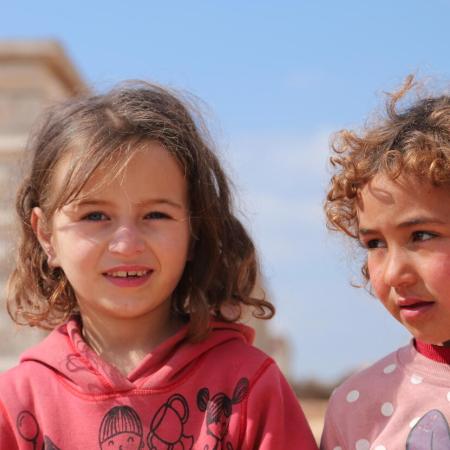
(131, 281)
(412, 308)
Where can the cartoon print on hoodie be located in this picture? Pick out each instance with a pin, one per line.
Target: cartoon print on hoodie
(218, 411)
(78, 399)
(121, 428)
(166, 427)
(431, 432)
(28, 429)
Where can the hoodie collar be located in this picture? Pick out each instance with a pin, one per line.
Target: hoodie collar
(66, 353)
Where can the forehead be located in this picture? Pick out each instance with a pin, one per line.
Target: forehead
(383, 198)
(148, 165)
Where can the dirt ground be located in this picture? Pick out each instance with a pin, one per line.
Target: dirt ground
(314, 411)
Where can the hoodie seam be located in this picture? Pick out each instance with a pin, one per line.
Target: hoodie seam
(7, 417)
(243, 419)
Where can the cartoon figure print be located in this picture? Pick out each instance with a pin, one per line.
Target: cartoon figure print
(431, 432)
(121, 428)
(28, 430)
(218, 412)
(167, 426)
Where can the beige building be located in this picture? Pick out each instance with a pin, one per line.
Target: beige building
(32, 75)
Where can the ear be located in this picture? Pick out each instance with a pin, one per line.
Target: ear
(240, 390)
(43, 234)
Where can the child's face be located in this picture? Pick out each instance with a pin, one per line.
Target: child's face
(405, 226)
(123, 441)
(124, 245)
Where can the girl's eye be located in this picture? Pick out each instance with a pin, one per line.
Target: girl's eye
(374, 243)
(95, 216)
(423, 235)
(157, 215)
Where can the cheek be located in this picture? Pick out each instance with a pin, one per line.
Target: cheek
(72, 252)
(175, 245)
(376, 278)
(436, 272)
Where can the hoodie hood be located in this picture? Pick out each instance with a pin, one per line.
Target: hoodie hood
(76, 364)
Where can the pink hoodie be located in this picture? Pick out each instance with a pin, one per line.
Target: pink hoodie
(221, 393)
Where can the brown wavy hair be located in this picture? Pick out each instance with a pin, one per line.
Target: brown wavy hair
(105, 131)
(413, 140)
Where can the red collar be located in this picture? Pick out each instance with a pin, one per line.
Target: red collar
(434, 352)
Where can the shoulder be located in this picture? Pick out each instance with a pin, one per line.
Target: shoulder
(365, 400)
(32, 372)
(366, 384)
(231, 362)
(18, 387)
(235, 351)
(14, 376)
(22, 379)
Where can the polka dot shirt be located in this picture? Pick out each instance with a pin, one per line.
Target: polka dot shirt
(401, 402)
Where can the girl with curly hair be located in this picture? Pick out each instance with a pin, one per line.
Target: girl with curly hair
(390, 192)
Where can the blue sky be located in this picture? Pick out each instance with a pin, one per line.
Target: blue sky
(277, 78)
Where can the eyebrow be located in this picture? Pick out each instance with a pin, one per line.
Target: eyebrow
(159, 201)
(407, 224)
(144, 203)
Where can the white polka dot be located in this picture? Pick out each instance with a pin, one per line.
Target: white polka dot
(362, 444)
(337, 448)
(413, 422)
(416, 379)
(352, 396)
(387, 409)
(448, 396)
(390, 368)
(380, 447)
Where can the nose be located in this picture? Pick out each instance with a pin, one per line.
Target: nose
(399, 268)
(126, 241)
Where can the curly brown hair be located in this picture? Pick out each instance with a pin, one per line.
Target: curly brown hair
(409, 141)
(105, 131)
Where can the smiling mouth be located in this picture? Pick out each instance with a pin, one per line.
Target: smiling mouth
(128, 274)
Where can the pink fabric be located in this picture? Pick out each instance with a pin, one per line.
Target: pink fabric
(401, 402)
(221, 393)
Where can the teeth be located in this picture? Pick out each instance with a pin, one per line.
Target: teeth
(123, 274)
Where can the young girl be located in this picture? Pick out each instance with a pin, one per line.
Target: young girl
(131, 253)
(391, 192)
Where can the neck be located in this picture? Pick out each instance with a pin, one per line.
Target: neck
(125, 342)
